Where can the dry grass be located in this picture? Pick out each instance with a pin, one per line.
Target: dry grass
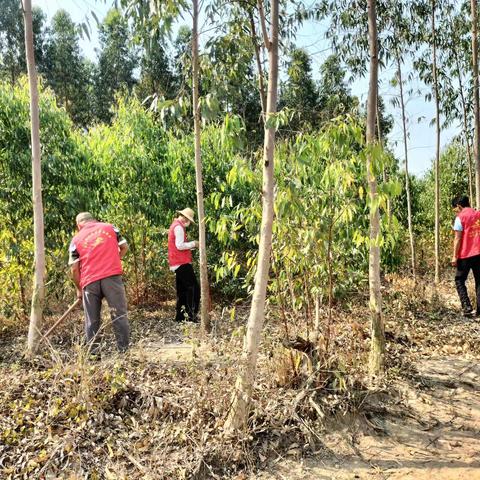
(155, 415)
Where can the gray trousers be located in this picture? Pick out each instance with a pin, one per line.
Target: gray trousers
(113, 290)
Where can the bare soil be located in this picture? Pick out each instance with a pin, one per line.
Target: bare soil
(428, 425)
(434, 434)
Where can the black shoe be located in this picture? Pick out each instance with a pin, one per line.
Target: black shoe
(468, 313)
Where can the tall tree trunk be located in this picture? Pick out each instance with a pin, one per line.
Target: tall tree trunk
(377, 351)
(476, 114)
(437, 151)
(384, 171)
(204, 287)
(407, 175)
(238, 414)
(466, 131)
(261, 85)
(38, 296)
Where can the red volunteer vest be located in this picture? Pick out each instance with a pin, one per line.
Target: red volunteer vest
(176, 256)
(97, 246)
(470, 220)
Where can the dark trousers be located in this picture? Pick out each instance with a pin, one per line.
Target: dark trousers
(113, 290)
(188, 293)
(464, 265)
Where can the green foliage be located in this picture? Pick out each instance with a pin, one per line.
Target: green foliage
(62, 191)
(157, 79)
(116, 62)
(127, 160)
(12, 40)
(335, 97)
(68, 73)
(136, 174)
(228, 76)
(453, 182)
(321, 217)
(300, 92)
(322, 171)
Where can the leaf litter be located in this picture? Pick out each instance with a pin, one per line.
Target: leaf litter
(158, 412)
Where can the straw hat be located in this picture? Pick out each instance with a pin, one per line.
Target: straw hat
(188, 213)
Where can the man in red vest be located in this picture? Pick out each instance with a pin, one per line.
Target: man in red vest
(466, 251)
(95, 260)
(180, 261)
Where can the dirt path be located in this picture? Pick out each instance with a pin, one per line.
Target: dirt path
(434, 433)
(431, 431)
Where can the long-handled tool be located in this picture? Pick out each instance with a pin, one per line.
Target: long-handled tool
(61, 319)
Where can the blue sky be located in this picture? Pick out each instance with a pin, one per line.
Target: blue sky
(311, 37)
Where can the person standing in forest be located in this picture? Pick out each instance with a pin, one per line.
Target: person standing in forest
(180, 261)
(466, 251)
(95, 255)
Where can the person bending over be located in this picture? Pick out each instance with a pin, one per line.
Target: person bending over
(95, 255)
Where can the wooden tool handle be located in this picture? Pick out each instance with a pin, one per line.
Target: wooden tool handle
(61, 319)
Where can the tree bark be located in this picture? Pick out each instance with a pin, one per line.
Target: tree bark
(437, 151)
(238, 414)
(204, 286)
(407, 175)
(377, 350)
(476, 114)
(38, 296)
(261, 85)
(384, 172)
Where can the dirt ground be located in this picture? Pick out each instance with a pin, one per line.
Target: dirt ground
(432, 434)
(436, 437)
(424, 426)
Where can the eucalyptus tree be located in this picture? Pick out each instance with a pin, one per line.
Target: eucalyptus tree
(68, 73)
(157, 80)
(457, 102)
(258, 59)
(431, 63)
(156, 17)
(415, 37)
(436, 93)
(12, 39)
(377, 349)
(476, 111)
(407, 175)
(38, 295)
(182, 58)
(238, 414)
(116, 62)
(299, 92)
(402, 28)
(204, 286)
(229, 74)
(334, 95)
(354, 32)
(236, 22)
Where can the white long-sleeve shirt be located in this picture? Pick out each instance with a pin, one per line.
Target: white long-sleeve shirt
(180, 243)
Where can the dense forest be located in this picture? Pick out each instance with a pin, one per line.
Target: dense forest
(328, 301)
